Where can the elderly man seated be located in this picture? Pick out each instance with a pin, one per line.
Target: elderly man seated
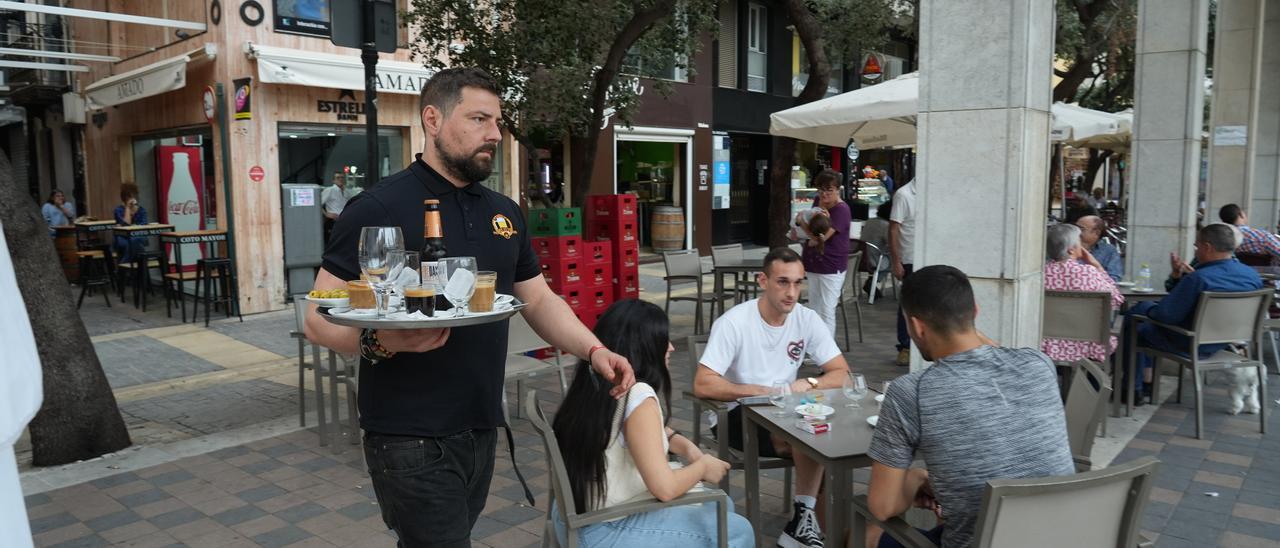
(1091, 230)
(1072, 268)
(1254, 241)
(1215, 270)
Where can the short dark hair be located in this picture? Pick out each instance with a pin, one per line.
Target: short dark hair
(885, 210)
(1230, 213)
(826, 179)
(128, 190)
(444, 89)
(1221, 237)
(941, 297)
(779, 254)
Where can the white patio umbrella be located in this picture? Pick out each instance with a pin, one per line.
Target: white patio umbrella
(883, 115)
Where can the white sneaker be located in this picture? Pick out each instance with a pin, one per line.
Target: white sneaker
(802, 531)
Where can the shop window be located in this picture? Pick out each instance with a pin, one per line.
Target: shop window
(757, 44)
(313, 153)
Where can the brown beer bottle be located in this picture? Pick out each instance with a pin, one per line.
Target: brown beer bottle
(433, 249)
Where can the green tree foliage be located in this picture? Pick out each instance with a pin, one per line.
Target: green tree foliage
(1095, 46)
(560, 62)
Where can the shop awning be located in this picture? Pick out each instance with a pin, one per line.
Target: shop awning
(142, 82)
(325, 70)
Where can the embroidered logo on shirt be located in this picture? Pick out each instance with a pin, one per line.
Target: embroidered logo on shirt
(502, 226)
(795, 350)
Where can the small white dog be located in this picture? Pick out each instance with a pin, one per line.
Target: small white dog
(1242, 386)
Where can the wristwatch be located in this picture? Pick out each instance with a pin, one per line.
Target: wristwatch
(371, 349)
(812, 382)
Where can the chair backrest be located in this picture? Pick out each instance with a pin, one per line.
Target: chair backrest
(1225, 317)
(682, 263)
(300, 307)
(855, 259)
(561, 492)
(728, 252)
(696, 344)
(521, 337)
(1096, 508)
(1078, 316)
(1086, 406)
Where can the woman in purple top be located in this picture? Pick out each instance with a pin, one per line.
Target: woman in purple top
(825, 265)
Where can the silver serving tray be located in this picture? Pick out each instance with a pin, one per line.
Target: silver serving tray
(433, 323)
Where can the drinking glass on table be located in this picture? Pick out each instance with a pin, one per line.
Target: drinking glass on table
(855, 388)
(485, 292)
(381, 260)
(779, 393)
(460, 273)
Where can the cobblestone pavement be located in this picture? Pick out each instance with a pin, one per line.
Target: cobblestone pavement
(284, 489)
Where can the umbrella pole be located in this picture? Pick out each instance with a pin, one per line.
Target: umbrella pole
(1062, 178)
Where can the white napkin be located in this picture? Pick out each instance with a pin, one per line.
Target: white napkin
(407, 276)
(415, 315)
(460, 285)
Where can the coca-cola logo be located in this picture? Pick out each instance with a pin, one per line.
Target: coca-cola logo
(189, 207)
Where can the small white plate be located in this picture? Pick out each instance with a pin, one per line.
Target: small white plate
(1124, 284)
(345, 312)
(879, 398)
(331, 303)
(503, 299)
(1143, 289)
(873, 419)
(815, 410)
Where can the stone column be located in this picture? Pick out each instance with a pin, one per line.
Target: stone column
(1168, 119)
(1266, 163)
(983, 168)
(1237, 62)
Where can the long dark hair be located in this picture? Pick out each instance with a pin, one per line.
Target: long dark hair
(638, 331)
(53, 195)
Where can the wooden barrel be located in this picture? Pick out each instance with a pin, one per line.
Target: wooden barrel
(667, 228)
(65, 243)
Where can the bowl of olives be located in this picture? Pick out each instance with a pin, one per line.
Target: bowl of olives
(329, 298)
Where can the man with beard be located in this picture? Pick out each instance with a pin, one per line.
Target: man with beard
(431, 399)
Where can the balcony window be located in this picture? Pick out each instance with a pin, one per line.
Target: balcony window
(757, 48)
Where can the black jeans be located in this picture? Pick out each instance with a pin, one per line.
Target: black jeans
(431, 490)
(904, 339)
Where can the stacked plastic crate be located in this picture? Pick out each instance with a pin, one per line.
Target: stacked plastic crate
(612, 219)
(563, 255)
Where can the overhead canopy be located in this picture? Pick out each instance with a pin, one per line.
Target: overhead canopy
(884, 115)
(324, 70)
(142, 82)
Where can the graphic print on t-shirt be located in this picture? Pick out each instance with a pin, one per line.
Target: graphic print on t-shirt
(795, 351)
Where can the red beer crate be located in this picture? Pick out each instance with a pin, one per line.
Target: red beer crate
(594, 253)
(614, 207)
(558, 247)
(626, 258)
(627, 286)
(599, 298)
(562, 274)
(542, 353)
(621, 233)
(588, 317)
(572, 296)
(597, 275)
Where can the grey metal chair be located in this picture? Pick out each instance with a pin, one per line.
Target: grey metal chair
(696, 344)
(1220, 318)
(683, 268)
(575, 518)
(1097, 508)
(521, 339)
(1086, 409)
(299, 334)
(1077, 316)
(874, 261)
(742, 285)
(851, 287)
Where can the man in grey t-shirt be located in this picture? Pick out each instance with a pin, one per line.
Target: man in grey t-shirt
(979, 413)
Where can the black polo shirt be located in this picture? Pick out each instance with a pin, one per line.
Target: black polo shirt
(459, 386)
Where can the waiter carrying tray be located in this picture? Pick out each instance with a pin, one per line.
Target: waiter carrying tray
(431, 399)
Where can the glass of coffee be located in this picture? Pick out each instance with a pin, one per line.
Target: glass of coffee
(486, 291)
(361, 294)
(419, 298)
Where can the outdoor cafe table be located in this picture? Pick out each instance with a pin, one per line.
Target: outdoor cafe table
(1132, 297)
(747, 266)
(201, 237)
(839, 450)
(141, 231)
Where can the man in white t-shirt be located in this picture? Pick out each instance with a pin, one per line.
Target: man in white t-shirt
(761, 342)
(902, 242)
(333, 199)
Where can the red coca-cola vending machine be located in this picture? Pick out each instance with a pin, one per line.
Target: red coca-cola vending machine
(181, 203)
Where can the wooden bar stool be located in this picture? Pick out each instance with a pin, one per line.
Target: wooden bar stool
(94, 273)
(137, 273)
(224, 291)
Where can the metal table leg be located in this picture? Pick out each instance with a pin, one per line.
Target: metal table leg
(751, 448)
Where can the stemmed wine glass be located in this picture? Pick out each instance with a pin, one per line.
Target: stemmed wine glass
(460, 273)
(779, 393)
(381, 260)
(854, 388)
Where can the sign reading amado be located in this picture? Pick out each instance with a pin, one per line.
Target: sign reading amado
(323, 70)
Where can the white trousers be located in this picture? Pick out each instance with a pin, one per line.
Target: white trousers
(824, 295)
(14, 530)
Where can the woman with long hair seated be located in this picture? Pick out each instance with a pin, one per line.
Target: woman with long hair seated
(615, 450)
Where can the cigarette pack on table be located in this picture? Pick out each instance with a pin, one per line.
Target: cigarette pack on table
(814, 426)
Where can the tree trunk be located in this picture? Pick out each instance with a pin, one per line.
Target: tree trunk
(79, 419)
(784, 148)
(585, 146)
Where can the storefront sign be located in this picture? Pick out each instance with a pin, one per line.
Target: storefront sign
(348, 111)
(310, 18)
(324, 70)
(720, 157)
(210, 107)
(244, 109)
(1226, 136)
(303, 197)
(257, 174)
